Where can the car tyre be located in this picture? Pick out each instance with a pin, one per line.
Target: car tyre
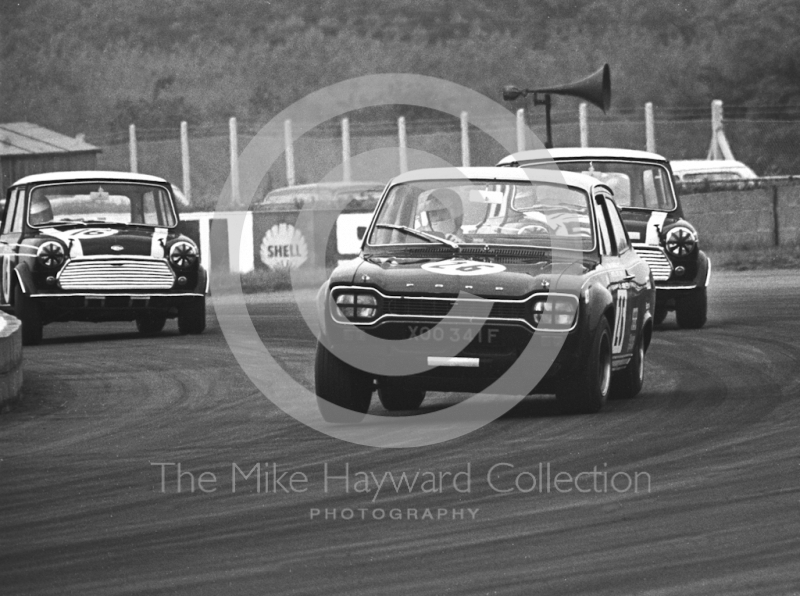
(660, 315)
(394, 397)
(343, 392)
(150, 325)
(192, 316)
(587, 389)
(29, 313)
(691, 310)
(628, 382)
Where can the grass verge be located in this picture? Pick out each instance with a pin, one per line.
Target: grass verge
(746, 259)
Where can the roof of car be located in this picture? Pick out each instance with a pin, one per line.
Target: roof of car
(580, 152)
(706, 165)
(87, 175)
(332, 186)
(496, 173)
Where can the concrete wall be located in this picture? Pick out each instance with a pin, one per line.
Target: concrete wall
(763, 213)
(10, 360)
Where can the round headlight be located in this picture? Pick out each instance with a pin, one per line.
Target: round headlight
(183, 255)
(51, 254)
(680, 241)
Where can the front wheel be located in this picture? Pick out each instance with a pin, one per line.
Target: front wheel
(192, 316)
(395, 397)
(691, 310)
(343, 392)
(150, 325)
(587, 389)
(29, 313)
(628, 382)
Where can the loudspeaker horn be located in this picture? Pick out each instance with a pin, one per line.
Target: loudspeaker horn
(596, 88)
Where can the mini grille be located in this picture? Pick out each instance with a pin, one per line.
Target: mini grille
(658, 261)
(116, 274)
(441, 308)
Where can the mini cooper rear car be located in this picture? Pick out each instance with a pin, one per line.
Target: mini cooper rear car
(98, 246)
(644, 190)
(486, 263)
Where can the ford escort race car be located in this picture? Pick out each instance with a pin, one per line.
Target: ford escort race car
(644, 190)
(470, 276)
(98, 246)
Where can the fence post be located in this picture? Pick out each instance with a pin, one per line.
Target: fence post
(584, 124)
(521, 129)
(719, 148)
(649, 127)
(403, 143)
(132, 149)
(775, 216)
(234, 144)
(464, 140)
(288, 144)
(346, 173)
(187, 184)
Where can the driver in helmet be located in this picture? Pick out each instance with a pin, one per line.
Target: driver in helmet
(445, 213)
(40, 210)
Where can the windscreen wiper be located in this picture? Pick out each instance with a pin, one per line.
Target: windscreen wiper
(419, 234)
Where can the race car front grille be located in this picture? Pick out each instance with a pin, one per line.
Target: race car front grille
(116, 274)
(441, 308)
(658, 261)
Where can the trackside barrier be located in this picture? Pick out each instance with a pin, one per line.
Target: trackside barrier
(274, 239)
(748, 214)
(10, 360)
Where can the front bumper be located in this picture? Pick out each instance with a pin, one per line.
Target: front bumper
(489, 355)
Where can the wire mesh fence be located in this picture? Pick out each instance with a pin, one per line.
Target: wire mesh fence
(767, 143)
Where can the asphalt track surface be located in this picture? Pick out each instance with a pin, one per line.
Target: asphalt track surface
(716, 430)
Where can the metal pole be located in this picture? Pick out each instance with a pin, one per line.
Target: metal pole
(403, 143)
(649, 127)
(346, 173)
(521, 129)
(584, 124)
(464, 140)
(289, 149)
(234, 143)
(133, 149)
(187, 184)
(549, 126)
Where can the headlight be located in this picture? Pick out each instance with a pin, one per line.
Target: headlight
(357, 307)
(183, 255)
(50, 254)
(555, 312)
(680, 241)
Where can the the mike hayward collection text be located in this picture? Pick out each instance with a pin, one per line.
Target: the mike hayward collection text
(503, 478)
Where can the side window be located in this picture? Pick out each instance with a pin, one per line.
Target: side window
(620, 234)
(19, 214)
(606, 247)
(12, 202)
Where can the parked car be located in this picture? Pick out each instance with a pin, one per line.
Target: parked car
(700, 170)
(350, 204)
(548, 259)
(98, 246)
(651, 209)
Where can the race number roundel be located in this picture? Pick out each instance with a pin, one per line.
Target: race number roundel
(463, 267)
(283, 246)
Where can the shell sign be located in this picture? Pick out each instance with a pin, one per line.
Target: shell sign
(283, 246)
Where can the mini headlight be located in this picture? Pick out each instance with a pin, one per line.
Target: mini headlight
(183, 255)
(357, 307)
(555, 312)
(51, 254)
(680, 241)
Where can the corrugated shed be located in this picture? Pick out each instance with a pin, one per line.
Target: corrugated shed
(27, 148)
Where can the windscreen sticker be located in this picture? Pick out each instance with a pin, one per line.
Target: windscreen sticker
(463, 267)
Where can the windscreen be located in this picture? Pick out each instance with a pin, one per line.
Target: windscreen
(101, 202)
(505, 213)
